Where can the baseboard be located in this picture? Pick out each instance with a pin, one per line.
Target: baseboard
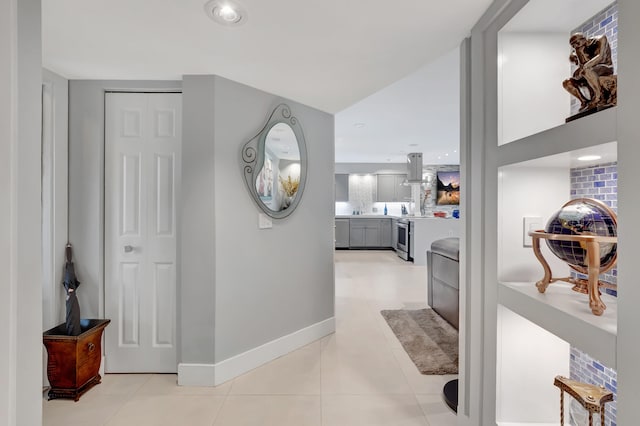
(216, 374)
(196, 374)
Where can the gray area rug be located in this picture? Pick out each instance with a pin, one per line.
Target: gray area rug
(430, 341)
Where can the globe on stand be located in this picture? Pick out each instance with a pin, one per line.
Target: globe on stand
(584, 235)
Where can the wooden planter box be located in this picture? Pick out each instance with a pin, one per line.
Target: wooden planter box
(74, 361)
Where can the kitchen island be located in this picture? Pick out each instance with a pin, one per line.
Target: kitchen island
(427, 230)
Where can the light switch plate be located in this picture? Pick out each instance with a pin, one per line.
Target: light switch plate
(264, 221)
(530, 223)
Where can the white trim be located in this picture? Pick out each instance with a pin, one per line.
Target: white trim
(102, 364)
(49, 285)
(216, 374)
(196, 374)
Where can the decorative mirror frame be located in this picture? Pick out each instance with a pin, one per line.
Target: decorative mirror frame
(253, 155)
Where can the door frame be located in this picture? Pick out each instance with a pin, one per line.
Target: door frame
(102, 197)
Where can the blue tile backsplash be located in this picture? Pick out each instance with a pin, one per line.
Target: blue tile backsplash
(599, 182)
(586, 369)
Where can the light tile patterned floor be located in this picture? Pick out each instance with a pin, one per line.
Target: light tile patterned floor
(358, 376)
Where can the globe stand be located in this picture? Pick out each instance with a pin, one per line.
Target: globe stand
(593, 269)
(581, 285)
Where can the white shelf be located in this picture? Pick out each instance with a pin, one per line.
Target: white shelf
(592, 130)
(566, 314)
(525, 424)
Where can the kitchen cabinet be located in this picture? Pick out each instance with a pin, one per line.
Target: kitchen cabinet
(390, 189)
(394, 233)
(364, 233)
(385, 233)
(342, 233)
(342, 187)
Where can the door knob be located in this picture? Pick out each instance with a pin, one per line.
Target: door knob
(128, 249)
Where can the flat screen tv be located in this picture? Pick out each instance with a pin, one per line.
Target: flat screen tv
(448, 191)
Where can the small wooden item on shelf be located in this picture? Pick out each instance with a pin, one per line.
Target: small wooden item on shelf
(591, 397)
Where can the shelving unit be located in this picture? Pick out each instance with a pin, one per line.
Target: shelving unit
(533, 179)
(566, 314)
(590, 131)
(525, 171)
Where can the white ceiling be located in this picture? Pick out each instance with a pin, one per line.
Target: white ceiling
(419, 113)
(392, 66)
(327, 54)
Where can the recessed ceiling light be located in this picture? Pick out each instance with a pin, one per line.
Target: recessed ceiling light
(447, 154)
(589, 158)
(225, 12)
(455, 150)
(359, 125)
(229, 14)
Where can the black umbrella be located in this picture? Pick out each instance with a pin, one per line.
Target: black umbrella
(71, 283)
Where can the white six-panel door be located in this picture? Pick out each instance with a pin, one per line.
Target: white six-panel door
(142, 178)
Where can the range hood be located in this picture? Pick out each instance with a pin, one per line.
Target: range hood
(414, 167)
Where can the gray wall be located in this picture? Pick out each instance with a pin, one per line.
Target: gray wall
(197, 257)
(248, 286)
(54, 295)
(86, 182)
(20, 236)
(259, 284)
(269, 282)
(9, 141)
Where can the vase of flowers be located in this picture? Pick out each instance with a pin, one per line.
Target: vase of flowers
(290, 188)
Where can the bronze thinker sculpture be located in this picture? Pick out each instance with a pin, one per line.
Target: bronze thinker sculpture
(593, 82)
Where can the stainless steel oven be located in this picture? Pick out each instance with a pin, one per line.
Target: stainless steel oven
(403, 234)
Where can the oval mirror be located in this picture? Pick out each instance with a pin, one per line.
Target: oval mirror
(275, 164)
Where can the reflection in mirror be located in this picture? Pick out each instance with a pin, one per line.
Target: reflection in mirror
(279, 178)
(275, 162)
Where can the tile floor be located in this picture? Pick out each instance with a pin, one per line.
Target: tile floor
(358, 376)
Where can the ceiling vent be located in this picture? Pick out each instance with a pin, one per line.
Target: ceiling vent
(414, 167)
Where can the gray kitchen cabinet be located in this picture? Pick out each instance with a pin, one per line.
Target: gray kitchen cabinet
(390, 189)
(342, 233)
(357, 235)
(385, 233)
(364, 233)
(342, 187)
(372, 236)
(386, 188)
(394, 233)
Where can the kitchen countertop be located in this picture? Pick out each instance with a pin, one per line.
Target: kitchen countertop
(365, 216)
(381, 216)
